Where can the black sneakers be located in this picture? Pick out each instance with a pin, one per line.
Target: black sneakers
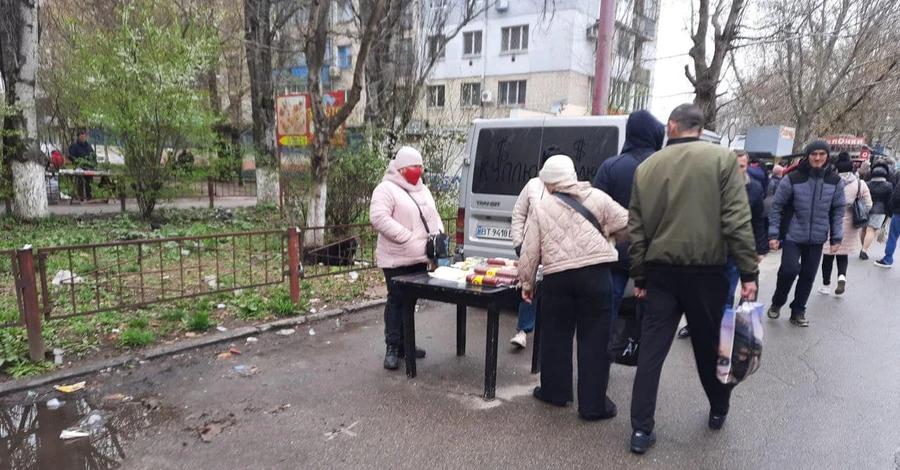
(641, 441)
(774, 312)
(420, 353)
(684, 332)
(799, 319)
(716, 421)
(392, 357)
(863, 256)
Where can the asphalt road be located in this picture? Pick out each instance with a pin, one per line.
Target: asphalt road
(826, 397)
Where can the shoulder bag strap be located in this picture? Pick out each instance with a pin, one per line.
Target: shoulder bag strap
(580, 209)
(858, 189)
(416, 203)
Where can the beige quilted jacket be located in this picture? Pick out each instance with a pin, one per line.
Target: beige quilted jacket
(562, 239)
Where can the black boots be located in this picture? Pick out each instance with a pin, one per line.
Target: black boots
(420, 353)
(392, 357)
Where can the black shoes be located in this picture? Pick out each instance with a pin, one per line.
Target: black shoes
(774, 312)
(420, 353)
(392, 357)
(641, 441)
(610, 413)
(799, 319)
(716, 421)
(863, 256)
(683, 333)
(537, 394)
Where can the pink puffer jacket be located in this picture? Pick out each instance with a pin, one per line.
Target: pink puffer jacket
(562, 239)
(393, 213)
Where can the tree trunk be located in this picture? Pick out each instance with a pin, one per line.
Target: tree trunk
(18, 64)
(258, 36)
(268, 190)
(318, 195)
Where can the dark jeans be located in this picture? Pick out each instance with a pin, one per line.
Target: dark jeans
(619, 283)
(577, 302)
(893, 235)
(828, 266)
(800, 262)
(83, 188)
(393, 309)
(671, 291)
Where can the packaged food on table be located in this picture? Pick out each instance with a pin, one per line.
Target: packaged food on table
(480, 280)
(502, 262)
(494, 271)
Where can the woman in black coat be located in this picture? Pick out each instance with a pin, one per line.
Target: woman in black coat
(881, 189)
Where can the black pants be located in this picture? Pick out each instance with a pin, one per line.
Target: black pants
(83, 188)
(672, 291)
(393, 309)
(577, 302)
(797, 261)
(828, 265)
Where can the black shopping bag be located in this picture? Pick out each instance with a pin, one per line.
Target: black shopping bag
(625, 335)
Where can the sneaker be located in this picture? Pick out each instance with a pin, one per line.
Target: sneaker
(641, 441)
(391, 357)
(684, 332)
(863, 256)
(882, 264)
(420, 353)
(799, 319)
(774, 312)
(842, 285)
(520, 339)
(825, 290)
(716, 421)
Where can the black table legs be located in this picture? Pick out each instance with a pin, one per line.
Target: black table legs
(461, 330)
(409, 334)
(490, 353)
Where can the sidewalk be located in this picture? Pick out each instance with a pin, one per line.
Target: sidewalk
(113, 207)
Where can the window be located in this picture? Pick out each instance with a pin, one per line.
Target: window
(472, 43)
(470, 94)
(345, 13)
(618, 95)
(511, 93)
(436, 46)
(345, 57)
(641, 97)
(514, 38)
(624, 41)
(436, 96)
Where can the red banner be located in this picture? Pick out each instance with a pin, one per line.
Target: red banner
(294, 120)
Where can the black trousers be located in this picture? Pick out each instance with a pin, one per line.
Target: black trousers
(828, 265)
(393, 309)
(671, 291)
(577, 302)
(83, 188)
(800, 262)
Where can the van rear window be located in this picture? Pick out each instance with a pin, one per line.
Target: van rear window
(505, 159)
(588, 146)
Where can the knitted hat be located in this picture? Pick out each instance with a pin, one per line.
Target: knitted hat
(817, 145)
(844, 164)
(880, 171)
(407, 156)
(558, 169)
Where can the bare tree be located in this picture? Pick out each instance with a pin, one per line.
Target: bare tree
(18, 67)
(708, 69)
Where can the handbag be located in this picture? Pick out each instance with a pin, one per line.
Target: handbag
(625, 334)
(860, 213)
(438, 245)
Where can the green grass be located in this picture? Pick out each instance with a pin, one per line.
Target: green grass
(138, 323)
(281, 305)
(174, 315)
(134, 338)
(198, 321)
(251, 306)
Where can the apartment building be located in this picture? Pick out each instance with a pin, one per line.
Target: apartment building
(518, 60)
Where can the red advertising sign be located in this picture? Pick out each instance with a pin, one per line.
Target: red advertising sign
(864, 154)
(846, 141)
(294, 120)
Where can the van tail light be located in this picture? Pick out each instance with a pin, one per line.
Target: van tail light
(461, 226)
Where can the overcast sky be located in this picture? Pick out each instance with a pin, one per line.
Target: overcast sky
(671, 87)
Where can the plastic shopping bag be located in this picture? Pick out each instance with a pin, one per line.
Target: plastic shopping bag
(740, 342)
(625, 336)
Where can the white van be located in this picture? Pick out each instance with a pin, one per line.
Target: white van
(501, 155)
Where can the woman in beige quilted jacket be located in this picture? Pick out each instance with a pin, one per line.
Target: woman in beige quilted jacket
(577, 288)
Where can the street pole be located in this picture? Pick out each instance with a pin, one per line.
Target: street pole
(602, 63)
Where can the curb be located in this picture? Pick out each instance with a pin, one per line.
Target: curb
(170, 349)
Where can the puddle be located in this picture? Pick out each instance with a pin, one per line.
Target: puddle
(30, 434)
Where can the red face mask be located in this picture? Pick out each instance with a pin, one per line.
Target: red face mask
(411, 174)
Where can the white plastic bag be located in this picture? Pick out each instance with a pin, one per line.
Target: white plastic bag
(740, 342)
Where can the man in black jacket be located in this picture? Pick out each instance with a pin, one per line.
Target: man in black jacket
(644, 134)
(82, 155)
(891, 245)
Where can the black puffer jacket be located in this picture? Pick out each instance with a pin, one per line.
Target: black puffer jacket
(881, 190)
(895, 201)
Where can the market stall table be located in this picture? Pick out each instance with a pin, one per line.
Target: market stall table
(422, 286)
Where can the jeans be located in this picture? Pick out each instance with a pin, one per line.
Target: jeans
(527, 312)
(393, 309)
(619, 282)
(828, 265)
(797, 261)
(891, 244)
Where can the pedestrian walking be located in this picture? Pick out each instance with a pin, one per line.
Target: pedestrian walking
(404, 215)
(894, 232)
(757, 173)
(854, 187)
(881, 190)
(774, 181)
(644, 135)
(531, 194)
(810, 200)
(568, 233)
(83, 156)
(755, 195)
(689, 208)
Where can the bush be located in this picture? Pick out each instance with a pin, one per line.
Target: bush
(136, 337)
(199, 321)
(173, 315)
(281, 305)
(355, 172)
(250, 307)
(138, 323)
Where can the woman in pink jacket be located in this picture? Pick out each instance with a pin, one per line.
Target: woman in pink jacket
(577, 287)
(399, 204)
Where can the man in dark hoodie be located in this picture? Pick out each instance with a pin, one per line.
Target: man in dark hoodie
(644, 135)
(811, 201)
(82, 155)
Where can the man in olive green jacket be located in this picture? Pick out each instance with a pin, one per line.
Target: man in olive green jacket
(688, 210)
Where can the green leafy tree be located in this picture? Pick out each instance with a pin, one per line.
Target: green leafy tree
(140, 82)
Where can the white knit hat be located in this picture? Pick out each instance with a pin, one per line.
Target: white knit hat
(407, 156)
(558, 169)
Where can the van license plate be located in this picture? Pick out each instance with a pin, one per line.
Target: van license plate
(493, 232)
